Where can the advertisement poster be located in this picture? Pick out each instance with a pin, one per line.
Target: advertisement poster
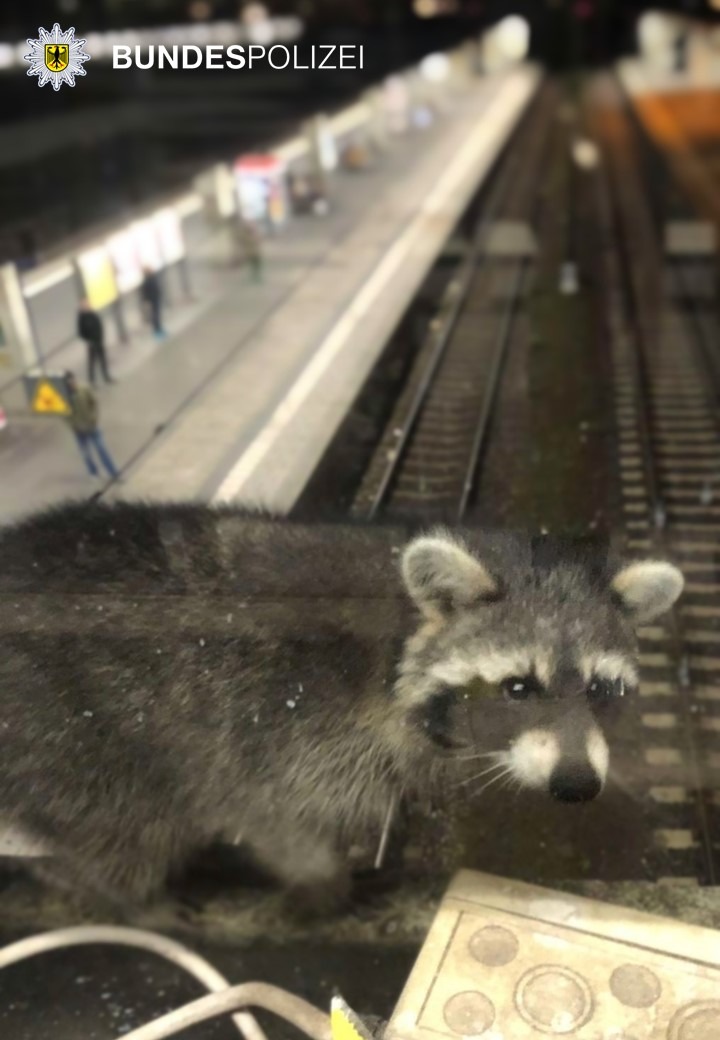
(98, 277)
(147, 246)
(260, 181)
(124, 256)
(168, 231)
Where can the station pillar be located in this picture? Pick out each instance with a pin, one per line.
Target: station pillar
(323, 150)
(373, 97)
(18, 347)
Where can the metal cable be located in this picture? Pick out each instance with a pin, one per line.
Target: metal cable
(304, 1016)
(170, 949)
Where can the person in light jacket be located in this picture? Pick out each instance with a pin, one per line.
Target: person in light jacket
(84, 422)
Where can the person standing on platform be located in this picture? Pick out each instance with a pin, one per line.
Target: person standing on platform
(151, 295)
(83, 420)
(251, 245)
(90, 329)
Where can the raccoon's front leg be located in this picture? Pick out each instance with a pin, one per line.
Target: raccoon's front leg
(125, 870)
(308, 865)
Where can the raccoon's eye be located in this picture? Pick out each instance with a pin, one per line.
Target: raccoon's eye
(519, 688)
(601, 690)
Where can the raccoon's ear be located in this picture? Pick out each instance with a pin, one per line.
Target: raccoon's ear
(648, 588)
(441, 575)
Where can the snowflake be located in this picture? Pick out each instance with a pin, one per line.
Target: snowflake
(56, 58)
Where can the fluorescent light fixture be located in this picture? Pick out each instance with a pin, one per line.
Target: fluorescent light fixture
(513, 37)
(435, 67)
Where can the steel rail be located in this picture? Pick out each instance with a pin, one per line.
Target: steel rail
(658, 530)
(479, 442)
(468, 268)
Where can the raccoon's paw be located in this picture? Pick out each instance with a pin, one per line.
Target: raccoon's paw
(166, 914)
(311, 901)
(370, 885)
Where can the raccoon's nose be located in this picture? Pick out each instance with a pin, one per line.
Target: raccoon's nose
(575, 784)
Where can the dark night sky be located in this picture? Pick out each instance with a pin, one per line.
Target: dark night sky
(16, 15)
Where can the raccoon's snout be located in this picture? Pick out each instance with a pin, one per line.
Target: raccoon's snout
(550, 761)
(575, 784)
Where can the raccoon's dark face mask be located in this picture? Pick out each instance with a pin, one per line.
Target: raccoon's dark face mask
(518, 731)
(526, 665)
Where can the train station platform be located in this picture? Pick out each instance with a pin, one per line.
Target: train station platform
(251, 372)
(679, 111)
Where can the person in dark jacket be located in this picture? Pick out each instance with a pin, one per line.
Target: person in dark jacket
(90, 328)
(83, 420)
(151, 296)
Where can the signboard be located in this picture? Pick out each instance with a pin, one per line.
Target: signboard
(224, 186)
(217, 188)
(125, 259)
(98, 277)
(326, 144)
(260, 184)
(47, 394)
(147, 246)
(168, 231)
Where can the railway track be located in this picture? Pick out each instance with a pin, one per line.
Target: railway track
(667, 392)
(426, 465)
(471, 403)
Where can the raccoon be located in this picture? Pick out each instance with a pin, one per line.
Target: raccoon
(173, 675)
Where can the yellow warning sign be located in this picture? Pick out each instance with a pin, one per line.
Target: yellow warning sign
(345, 1024)
(48, 399)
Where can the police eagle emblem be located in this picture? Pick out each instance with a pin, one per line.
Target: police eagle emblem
(56, 57)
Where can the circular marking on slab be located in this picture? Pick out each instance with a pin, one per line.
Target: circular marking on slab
(554, 999)
(469, 1013)
(494, 946)
(699, 1021)
(635, 986)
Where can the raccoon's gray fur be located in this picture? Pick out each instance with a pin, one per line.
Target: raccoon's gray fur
(171, 675)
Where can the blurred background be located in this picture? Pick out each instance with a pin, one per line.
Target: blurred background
(85, 154)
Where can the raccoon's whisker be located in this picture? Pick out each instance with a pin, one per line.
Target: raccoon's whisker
(512, 784)
(485, 772)
(455, 756)
(613, 779)
(476, 755)
(507, 781)
(491, 781)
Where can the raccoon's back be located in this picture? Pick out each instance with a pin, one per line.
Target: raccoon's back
(180, 547)
(166, 638)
